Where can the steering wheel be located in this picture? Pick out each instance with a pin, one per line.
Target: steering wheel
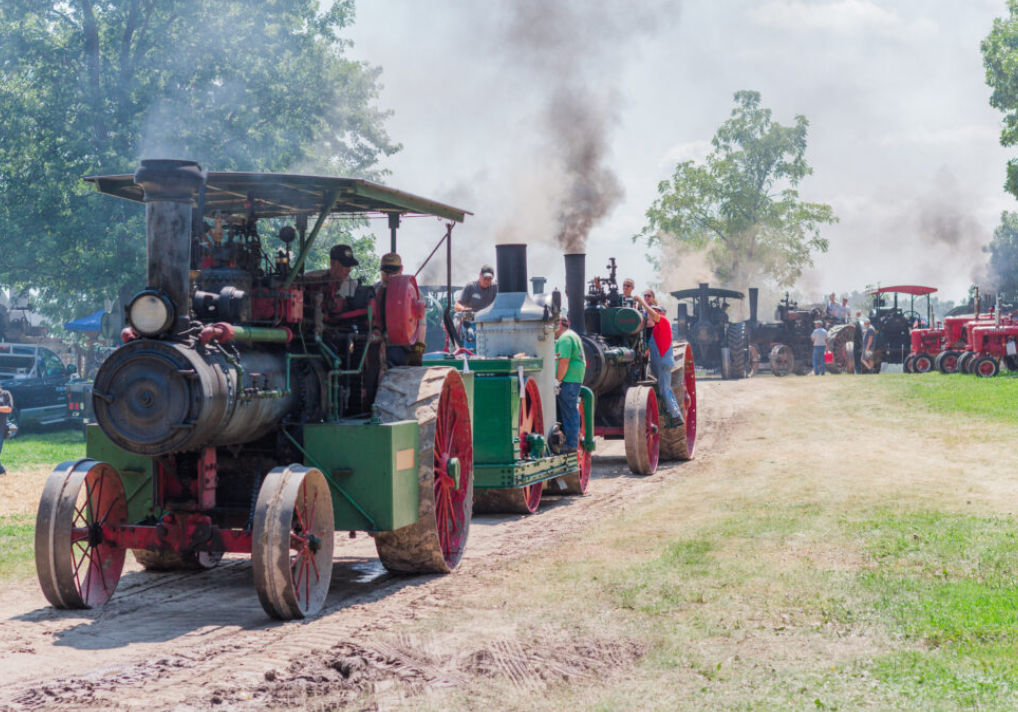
(913, 317)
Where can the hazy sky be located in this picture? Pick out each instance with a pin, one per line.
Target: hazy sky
(903, 142)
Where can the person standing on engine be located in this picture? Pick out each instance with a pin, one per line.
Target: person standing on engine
(6, 408)
(819, 338)
(480, 294)
(570, 367)
(662, 360)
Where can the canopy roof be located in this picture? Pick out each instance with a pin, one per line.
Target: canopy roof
(92, 322)
(278, 194)
(913, 289)
(711, 292)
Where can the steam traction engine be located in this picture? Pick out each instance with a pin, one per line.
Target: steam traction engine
(519, 447)
(719, 343)
(618, 372)
(251, 409)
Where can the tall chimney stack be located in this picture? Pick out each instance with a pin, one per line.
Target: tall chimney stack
(576, 284)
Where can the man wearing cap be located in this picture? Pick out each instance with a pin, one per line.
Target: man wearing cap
(392, 264)
(819, 338)
(337, 284)
(570, 367)
(478, 295)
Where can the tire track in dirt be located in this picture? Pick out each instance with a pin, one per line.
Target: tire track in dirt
(179, 637)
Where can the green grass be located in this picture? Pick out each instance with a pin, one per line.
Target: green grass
(947, 584)
(16, 547)
(39, 449)
(989, 398)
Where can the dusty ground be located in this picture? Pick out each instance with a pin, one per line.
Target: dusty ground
(186, 641)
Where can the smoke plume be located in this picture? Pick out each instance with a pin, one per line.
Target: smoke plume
(572, 51)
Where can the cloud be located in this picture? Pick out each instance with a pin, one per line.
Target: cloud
(688, 151)
(964, 135)
(840, 17)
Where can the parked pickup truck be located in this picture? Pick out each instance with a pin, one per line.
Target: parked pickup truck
(37, 379)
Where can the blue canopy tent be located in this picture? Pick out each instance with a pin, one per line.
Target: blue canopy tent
(92, 322)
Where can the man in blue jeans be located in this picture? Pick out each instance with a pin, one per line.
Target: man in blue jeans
(819, 337)
(570, 367)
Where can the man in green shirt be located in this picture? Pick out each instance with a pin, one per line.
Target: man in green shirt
(570, 366)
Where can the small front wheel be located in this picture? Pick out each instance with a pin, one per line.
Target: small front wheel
(291, 552)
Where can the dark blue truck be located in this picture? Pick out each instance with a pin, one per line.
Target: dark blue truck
(37, 379)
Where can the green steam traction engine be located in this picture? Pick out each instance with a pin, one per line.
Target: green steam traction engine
(243, 415)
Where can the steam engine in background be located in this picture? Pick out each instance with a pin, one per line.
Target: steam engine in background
(618, 371)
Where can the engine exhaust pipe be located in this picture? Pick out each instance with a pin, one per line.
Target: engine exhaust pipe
(511, 268)
(169, 187)
(576, 283)
(754, 297)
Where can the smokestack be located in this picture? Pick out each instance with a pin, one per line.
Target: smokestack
(576, 282)
(754, 296)
(169, 187)
(511, 268)
(537, 283)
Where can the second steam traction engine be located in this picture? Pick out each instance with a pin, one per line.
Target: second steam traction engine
(618, 372)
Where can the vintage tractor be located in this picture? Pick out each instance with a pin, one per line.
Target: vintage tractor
(989, 344)
(618, 372)
(787, 341)
(893, 323)
(718, 343)
(252, 409)
(519, 447)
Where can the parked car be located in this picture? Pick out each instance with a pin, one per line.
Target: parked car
(37, 379)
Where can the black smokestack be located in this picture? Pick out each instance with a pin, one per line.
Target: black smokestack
(576, 282)
(511, 268)
(169, 187)
(754, 296)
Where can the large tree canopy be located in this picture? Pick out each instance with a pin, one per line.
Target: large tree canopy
(741, 203)
(91, 87)
(1003, 251)
(1000, 57)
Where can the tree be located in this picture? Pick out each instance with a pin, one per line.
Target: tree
(92, 86)
(1003, 250)
(741, 204)
(1000, 57)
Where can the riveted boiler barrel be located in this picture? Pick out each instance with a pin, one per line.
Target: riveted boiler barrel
(156, 397)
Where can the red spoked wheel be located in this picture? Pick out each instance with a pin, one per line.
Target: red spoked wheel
(453, 450)
(78, 567)
(947, 361)
(403, 309)
(641, 430)
(436, 398)
(292, 534)
(523, 500)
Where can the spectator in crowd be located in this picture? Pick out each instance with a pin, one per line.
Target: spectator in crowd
(570, 367)
(819, 338)
(869, 338)
(6, 408)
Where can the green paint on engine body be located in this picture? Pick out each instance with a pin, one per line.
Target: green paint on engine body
(135, 471)
(372, 469)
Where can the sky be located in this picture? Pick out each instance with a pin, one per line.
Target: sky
(491, 97)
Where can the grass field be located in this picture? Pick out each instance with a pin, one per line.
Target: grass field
(28, 452)
(775, 593)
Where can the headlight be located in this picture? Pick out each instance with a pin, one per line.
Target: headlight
(150, 313)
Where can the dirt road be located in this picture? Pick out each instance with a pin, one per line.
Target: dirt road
(187, 641)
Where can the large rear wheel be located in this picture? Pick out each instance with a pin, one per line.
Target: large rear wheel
(77, 566)
(678, 442)
(436, 398)
(782, 360)
(292, 542)
(738, 348)
(641, 430)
